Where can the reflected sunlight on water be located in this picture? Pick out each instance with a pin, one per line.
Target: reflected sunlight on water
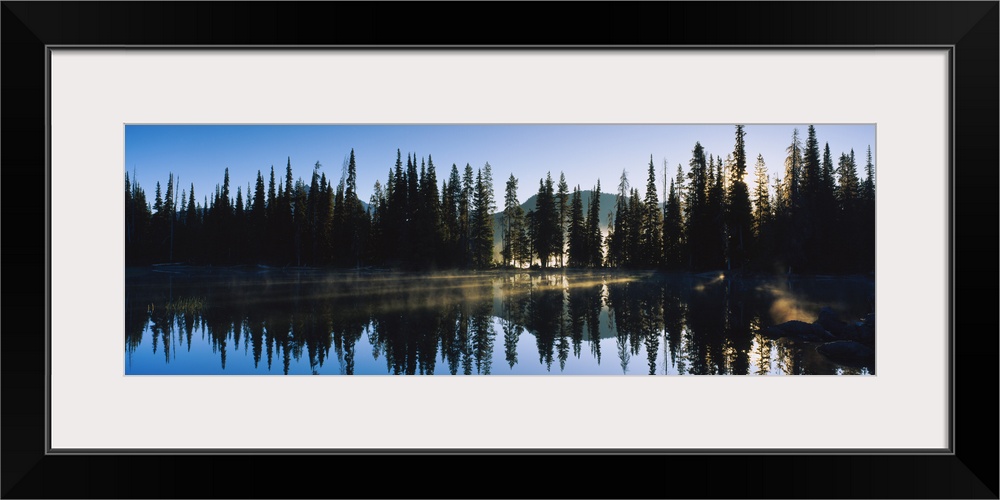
(586, 323)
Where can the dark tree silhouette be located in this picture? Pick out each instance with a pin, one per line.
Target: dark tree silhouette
(673, 230)
(513, 230)
(562, 202)
(594, 242)
(482, 219)
(577, 232)
(819, 218)
(652, 224)
(546, 219)
(739, 219)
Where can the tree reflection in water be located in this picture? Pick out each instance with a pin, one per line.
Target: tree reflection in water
(486, 323)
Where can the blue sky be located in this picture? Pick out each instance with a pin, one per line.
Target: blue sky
(200, 154)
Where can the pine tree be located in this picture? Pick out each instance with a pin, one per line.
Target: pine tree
(270, 194)
(673, 230)
(868, 188)
(822, 216)
(412, 186)
(510, 206)
(181, 231)
(619, 230)
(129, 208)
(546, 221)
(430, 228)
(354, 216)
(465, 215)
(340, 233)
(238, 224)
(827, 181)
(698, 220)
(634, 251)
(866, 218)
(778, 207)
(324, 209)
(763, 216)
(171, 208)
(826, 199)
(848, 189)
(312, 235)
(299, 196)
(792, 221)
(224, 195)
(271, 221)
(258, 218)
(289, 182)
(137, 219)
(158, 226)
(531, 223)
(193, 221)
(412, 214)
(397, 212)
(562, 202)
(158, 201)
(762, 198)
(376, 235)
(716, 237)
(595, 253)
(793, 171)
(739, 219)
(521, 244)
(811, 174)
(850, 228)
(283, 220)
(450, 216)
(811, 221)
(577, 231)
(482, 213)
(652, 223)
(681, 191)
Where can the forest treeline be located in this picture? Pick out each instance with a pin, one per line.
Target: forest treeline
(819, 217)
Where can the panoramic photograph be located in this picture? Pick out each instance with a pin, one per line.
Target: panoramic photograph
(546, 250)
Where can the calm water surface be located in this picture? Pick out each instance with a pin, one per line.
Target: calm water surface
(280, 322)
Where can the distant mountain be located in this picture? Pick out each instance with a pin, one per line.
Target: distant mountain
(607, 207)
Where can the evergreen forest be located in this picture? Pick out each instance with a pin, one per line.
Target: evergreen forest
(813, 214)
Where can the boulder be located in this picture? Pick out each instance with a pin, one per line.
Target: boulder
(848, 352)
(866, 330)
(800, 330)
(830, 321)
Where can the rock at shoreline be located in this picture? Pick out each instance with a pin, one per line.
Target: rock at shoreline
(861, 331)
(866, 329)
(830, 321)
(848, 352)
(800, 330)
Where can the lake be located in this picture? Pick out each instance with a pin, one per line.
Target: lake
(254, 321)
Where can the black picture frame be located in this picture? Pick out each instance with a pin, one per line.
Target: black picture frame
(971, 28)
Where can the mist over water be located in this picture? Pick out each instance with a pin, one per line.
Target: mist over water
(279, 322)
